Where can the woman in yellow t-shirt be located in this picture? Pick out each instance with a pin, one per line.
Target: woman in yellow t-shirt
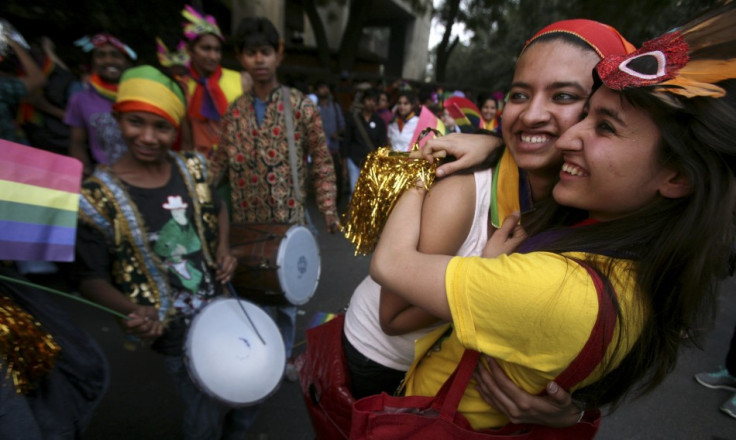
(652, 164)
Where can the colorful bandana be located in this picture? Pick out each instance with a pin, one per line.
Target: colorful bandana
(688, 61)
(208, 100)
(88, 44)
(602, 38)
(105, 89)
(146, 89)
(199, 24)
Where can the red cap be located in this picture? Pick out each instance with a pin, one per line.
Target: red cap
(605, 40)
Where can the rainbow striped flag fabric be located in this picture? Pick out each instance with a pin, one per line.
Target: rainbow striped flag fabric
(461, 120)
(320, 318)
(39, 200)
(468, 107)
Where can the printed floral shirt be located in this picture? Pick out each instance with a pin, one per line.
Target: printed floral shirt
(256, 160)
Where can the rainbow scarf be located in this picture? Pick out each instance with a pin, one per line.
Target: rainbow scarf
(39, 200)
(510, 190)
(208, 100)
(105, 89)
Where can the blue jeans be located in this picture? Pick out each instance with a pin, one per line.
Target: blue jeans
(353, 173)
(205, 417)
(285, 318)
(368, 377)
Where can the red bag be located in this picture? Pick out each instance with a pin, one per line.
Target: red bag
(420, 417)
(325, 381)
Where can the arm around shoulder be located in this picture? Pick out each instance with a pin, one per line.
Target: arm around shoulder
(447, 215)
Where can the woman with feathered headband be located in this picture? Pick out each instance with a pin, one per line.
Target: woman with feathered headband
(651, 170)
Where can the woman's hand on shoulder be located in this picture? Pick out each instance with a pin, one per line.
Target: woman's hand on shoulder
(506, 239)
(556, 409)
(469, 150)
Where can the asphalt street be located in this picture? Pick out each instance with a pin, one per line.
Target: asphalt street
(141, 403)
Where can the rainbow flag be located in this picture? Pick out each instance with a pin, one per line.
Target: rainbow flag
(461, 120)
(427, 119)
(469, 109)
(39, 200)
(320, 318)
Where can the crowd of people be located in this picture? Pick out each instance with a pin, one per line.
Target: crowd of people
(597, 197)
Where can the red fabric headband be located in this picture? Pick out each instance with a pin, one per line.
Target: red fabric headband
(602, 38)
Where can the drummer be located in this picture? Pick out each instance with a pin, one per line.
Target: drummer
(256, 157)
(152, 240)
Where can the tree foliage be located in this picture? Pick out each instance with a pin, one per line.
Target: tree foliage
(500, 28)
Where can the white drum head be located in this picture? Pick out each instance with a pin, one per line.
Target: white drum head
(299, 265)
(226, 357)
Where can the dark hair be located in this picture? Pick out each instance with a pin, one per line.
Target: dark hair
(370, 93)
(410, 96)
(322, 82)
(483, 97)
(680, 246)
(255, 32)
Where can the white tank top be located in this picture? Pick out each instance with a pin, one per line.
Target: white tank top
(362, 324)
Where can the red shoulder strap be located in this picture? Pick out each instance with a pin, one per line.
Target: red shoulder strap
(600, 337)
(590, 356)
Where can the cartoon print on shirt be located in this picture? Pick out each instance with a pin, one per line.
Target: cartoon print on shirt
(176, 240)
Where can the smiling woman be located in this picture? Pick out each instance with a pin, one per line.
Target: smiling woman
(614, 141)
(651, 165)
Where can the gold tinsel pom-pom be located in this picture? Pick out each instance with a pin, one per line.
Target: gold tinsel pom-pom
(383, 178)
(28, 352)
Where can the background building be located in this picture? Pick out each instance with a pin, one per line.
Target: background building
(393, 42)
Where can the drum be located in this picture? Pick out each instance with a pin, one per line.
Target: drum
(234, 352)
(277, 263)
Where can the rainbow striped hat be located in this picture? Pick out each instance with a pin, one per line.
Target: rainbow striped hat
(147, 89)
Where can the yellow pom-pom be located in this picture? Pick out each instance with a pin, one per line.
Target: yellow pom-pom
(383, 178)
(28, 352)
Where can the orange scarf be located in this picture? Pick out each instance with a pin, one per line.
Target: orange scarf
(402, 121)
(208, 100)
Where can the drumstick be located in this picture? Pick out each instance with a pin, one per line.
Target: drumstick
(235, 295)
(65, 295)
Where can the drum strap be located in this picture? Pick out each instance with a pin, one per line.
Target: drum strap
(286, 99)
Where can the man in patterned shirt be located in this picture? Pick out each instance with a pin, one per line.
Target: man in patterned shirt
(254, 150)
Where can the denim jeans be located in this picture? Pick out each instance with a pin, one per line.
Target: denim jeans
(205, 417)
(368, 377)
(353, 173)
(285, 318)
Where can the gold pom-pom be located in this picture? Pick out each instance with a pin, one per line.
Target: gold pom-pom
(28, 352)
(383, 178)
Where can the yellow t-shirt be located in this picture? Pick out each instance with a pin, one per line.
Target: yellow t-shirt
(532, 312)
